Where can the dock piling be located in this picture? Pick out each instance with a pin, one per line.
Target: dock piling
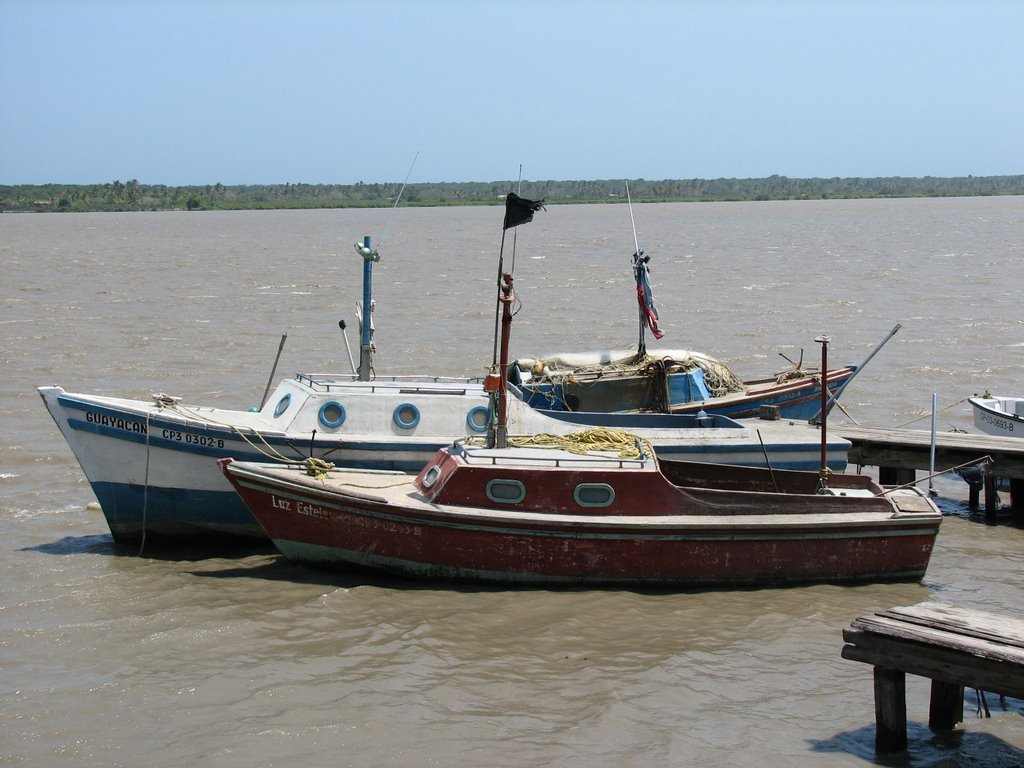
(956, 648)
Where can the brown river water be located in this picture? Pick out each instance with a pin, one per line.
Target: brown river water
(111, 657)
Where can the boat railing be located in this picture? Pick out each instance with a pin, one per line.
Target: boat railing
(435, 385)
(545, 458)
(582, 462)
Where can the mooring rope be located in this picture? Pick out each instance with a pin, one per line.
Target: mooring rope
(174, 404)
(929, 415)
(145, 489)
(317, 468)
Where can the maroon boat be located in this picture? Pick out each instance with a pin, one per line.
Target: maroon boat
(527, 515)
(597, 509)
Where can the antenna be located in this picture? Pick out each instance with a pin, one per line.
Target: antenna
(629, 200)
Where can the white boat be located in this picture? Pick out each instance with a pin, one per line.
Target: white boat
(153, 464)
(995, 415)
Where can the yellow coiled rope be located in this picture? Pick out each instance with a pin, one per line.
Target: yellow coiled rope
(617, 441)
(317, 468)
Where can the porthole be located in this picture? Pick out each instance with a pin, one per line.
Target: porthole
(282, 405)
(506, 491)
(407, 416)
(332, 414)
(431, 475)
(478, 418)
(594, 494)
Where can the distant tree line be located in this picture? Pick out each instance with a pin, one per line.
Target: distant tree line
(134, 196)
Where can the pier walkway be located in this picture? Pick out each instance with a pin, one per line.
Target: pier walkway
(900, 453)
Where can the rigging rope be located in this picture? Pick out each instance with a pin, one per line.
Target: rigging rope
(929, 415)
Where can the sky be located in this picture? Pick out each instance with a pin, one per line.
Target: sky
(236, 92)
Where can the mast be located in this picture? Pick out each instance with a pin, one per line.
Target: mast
(506, 297)
(823, 472)
(518, 211)
(369, 255)
(641, 347)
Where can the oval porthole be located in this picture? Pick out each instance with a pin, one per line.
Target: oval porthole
(506, 491)
(332, 414)
(431, 475)
(282, 405)
(407, 416)
(594, 494)
(478, 418)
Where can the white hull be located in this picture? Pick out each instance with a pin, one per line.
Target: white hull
(153, 464)
(1002, 416)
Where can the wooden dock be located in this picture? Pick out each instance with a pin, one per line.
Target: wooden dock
(900, 453)
(954, 647)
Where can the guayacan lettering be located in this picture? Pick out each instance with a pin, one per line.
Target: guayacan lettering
(116, 422)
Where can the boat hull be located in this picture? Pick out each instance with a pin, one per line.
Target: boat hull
(798, 399)
(153, 467)
(154, 473)
(314, 526)
(998, 415)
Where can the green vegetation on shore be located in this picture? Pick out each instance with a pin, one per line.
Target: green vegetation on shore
(134, 196)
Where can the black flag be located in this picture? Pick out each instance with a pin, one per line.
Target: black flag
(519, 210)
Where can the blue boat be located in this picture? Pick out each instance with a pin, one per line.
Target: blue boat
(671, 382)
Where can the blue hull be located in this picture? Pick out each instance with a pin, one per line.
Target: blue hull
(635, 394)
(174, 513)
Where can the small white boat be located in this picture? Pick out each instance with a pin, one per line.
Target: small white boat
(1002, 416)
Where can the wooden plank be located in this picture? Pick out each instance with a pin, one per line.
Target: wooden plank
(945, 664)
(886, 629)
(923, 438)
(973, 623)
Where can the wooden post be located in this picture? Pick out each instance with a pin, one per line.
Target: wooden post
(990, 495)
(890, 710)
(946, 708)
(1017, 496)
(973, 495)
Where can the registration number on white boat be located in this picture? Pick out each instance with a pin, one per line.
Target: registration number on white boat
(997, 422)
(187, 437)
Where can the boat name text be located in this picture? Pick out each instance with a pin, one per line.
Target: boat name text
(115, 422)
(301, 507)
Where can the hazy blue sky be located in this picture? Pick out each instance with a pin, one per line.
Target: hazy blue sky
(265, 91)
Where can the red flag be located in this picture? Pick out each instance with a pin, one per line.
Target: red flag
(644, 294)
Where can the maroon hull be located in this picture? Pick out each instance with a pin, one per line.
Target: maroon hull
(723, 544)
